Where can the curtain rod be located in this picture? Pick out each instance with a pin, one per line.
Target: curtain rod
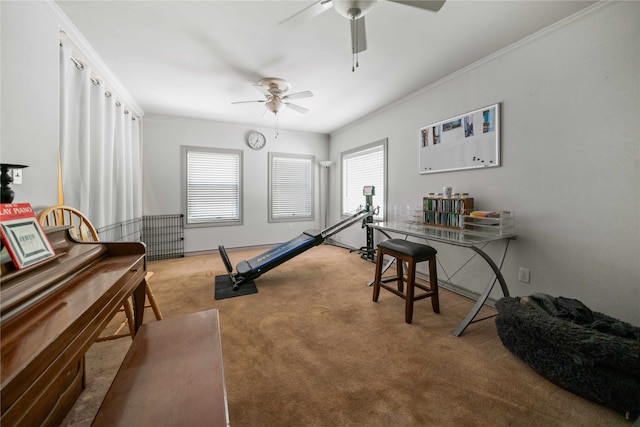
(80, 66)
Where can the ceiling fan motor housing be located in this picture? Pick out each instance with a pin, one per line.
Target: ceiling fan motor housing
(353, 9)
(274, 85)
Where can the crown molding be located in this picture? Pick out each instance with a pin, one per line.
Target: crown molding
(526, 40)
(94, 60)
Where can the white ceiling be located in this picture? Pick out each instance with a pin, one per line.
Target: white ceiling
(193, 58)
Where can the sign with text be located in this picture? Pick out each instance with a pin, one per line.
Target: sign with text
(22, 235)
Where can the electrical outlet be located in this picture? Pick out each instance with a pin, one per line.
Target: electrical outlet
(290, 226)
(17, 176)
(523, 275)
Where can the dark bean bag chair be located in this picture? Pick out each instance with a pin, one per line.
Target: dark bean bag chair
(588, 353)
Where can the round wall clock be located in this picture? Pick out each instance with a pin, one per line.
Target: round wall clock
(256, 140)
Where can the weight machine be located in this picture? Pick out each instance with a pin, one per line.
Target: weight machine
(253, 268)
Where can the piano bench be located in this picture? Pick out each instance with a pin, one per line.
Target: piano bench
(171, 375)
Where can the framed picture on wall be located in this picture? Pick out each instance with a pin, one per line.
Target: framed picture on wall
(468, 141)
(22, 235)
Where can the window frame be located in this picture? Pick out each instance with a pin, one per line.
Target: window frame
(363, 150)
(186, 149)
(312, 196)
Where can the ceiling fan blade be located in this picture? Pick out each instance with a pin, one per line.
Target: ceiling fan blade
(358, 36)
(298, 95)
(432, 5)
(306, 14)
(297, 108)
(245, 102)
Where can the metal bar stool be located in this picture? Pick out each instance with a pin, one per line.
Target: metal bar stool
(411, 253)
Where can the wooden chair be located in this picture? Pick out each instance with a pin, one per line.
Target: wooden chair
(411, 253)
(84, 231)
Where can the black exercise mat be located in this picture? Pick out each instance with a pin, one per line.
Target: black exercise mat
(224, 288)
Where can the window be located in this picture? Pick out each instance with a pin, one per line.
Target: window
(291, 187)
(363, 166)
(213, 186)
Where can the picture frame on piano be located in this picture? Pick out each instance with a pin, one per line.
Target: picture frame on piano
(22, 235)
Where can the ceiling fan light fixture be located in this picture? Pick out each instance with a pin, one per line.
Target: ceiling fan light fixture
(274, 105)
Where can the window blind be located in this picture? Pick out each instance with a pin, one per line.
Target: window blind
(291, 187)
(361, 168)
(213, 186)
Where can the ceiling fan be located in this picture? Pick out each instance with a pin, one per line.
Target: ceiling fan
(354, 10)
(276, 95)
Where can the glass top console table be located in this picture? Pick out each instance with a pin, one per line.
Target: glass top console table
(451, 236)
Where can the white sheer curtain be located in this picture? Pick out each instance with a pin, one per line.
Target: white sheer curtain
(99, 148)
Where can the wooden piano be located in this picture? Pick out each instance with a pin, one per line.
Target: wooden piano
(51, 313)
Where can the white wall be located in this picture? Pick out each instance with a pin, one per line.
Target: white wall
(570, 153)
(29, 98)
(163, 177)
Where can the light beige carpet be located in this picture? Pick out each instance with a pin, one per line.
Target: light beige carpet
(312, 349)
